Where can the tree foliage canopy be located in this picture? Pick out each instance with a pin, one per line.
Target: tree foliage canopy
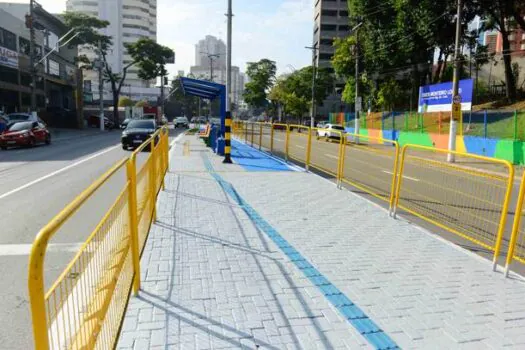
(262, 78)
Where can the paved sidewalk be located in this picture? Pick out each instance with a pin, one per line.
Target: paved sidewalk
(284, 260)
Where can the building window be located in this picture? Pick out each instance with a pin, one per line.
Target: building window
(24, 46)
(343, 13)
(328, 27)
(522, 46)
(344, 28)
(325, 56)
(7, 39)
(8, 75)
(327, 42)
(331, 13)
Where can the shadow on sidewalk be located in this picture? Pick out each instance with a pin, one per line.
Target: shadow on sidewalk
(174, 309)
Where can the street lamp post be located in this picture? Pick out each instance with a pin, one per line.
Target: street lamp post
(455, 86)
(357, 98)
(314, 77)
(32, 46)
(228, 120)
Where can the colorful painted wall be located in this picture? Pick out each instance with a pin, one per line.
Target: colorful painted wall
(510, 150)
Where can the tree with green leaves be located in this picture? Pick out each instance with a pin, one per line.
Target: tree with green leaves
(500, 16)
(397, 39)
(150, 57)
(293, 92)
(142, 103)
(262, 78)
(125, 102)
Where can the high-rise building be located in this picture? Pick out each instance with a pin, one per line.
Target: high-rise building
(208, 46)
(129, 21)
(330, 21)
(210, 56)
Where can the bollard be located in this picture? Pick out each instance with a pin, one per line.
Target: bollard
(227, 139)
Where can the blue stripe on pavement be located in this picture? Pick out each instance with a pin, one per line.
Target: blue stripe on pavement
(351, 312)
(253, 160)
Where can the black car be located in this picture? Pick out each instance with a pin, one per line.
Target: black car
(125, 123)
(137, 132)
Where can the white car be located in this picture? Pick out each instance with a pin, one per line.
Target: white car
(181, 122)
(330, 131)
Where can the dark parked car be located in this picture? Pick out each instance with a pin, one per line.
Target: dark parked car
(25, 134)
(94, 122)
(125, 123)
(137, 132)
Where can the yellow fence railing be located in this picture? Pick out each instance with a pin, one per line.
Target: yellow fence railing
(460, 197)
(516, 249)
(84, 307)
(377, 178)
(466, 201)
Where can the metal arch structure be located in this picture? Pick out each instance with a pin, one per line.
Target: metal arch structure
(207, 90)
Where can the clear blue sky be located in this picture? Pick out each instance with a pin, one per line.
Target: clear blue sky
(275, 29)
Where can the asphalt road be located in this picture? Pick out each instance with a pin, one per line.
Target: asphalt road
(465, 201)
(36, 184)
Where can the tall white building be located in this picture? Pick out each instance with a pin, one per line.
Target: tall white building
(129, 21)
(210, 45)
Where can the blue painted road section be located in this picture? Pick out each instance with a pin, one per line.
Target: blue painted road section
(254, 160)
(351, 312)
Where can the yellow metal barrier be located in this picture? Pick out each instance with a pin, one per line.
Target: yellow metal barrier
(517, 239)
(299, 144)
(266, 136)
(84, 307)
(371, 165)
(436, 191)
(326, 152)
(279, 140)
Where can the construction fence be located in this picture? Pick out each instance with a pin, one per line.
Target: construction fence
(84, 307)
(459, 197)
(495, 124)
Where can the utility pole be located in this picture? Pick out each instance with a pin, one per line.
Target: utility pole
(211, 57)
(455, 86)
(100, 66)
(162, 93)
(357, 98)
(314, 77)
(228, 117)
(32, 47)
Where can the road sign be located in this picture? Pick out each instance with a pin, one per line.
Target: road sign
(456, 110)
(456, 99)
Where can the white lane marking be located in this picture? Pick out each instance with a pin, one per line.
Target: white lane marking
(404, 176)
(302, 147)
(25, 249)
(59, 171)
(331, 156)
(172, 144)
(276, 139)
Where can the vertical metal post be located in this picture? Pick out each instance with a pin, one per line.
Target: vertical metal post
(100, 86)
(287, 140)
(515, 125)
(455, 84)
(260, 136)
(485, 124)
(421, 123)
(133, 222)
(393, 121)
(309, 149)
(153, 180)
(271, 139)
(356, 122)
(32, 47)
(314, 74)
(383, 120)
(406, 121)
(228, 117)
(227, 138)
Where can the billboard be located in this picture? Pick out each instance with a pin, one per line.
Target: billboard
(8, 58)
(438, 97)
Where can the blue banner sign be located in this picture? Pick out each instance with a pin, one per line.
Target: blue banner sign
(438, 97)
